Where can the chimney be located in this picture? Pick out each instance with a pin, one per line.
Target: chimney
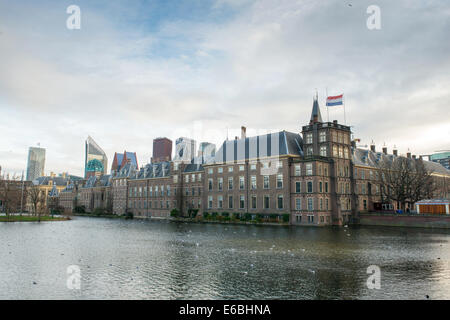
(395, 152)
(408, 155)
(384, 150)
(372, 147)
(243, 132)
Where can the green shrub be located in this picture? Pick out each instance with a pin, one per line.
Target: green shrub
(193, 213)
(247, 217)
(236, 215)
(225, 214)
(129, 215)
(214, 215)
(99, 211)
(205, 215)
(175, 213)
(286, 217)
(79, 209)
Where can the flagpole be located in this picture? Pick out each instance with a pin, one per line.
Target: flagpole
(328, 110)
(343, 100)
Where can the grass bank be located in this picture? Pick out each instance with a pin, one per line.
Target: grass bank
(31, 218)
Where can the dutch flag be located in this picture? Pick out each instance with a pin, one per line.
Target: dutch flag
(334, 100)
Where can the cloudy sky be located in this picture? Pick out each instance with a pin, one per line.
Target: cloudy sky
(140, 69)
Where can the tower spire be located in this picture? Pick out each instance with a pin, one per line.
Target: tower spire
(315, 115)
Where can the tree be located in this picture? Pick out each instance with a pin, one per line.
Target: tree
(35, 197)
(11, 190)
(405, 181)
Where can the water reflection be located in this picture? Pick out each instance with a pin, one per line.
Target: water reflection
(165, 260)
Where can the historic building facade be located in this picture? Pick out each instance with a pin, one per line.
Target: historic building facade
(315, 178)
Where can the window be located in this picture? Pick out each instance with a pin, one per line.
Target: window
(280, 202)
(230, 202)
(309, 138)
(210, 202)
(346, 153)
(309, 151)
(365, 204)
(210, 171)
(230, 183)
(253, 202)
(168, 191)
(335, 151)
(322, 136)
(325, 170)
(220, 184)
(321, 204)
(298, 218)
(298, 204)
(341, 152)
(175, 166)
(320, 186)
(323, 151)
(220, 202)
(162, 190)
(363, 174)
(326, 186)
(241, 183)
(210, 184)
(253, 166)
(266, 182)
(150, 192)
(186, 191)
(310, 187)
(363, 188)
(241, 168)
(186, 178)
(266, 202)
(310, 204)
(279, 164)
(279, 181)
(230, 169)
(309, 170)
(199, 177)
(253, 181)
(297, 170)
(193, 191)
(297, 187)
(241, 202)
(193, 177)
(326, 204)
(220, 170)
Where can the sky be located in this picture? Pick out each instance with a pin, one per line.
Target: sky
(137, 70)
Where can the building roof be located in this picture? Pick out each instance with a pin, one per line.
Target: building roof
(154, 170)
(268, 145)
(365, 157)
(316, 110)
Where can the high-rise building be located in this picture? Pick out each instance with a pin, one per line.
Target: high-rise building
(36, 163)
(206, 153)
(184, 150)
(442, 158)
(94, 152)
(162, 150)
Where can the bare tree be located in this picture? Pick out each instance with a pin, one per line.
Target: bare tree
(405, 181)
(36, 199)
(10, 194)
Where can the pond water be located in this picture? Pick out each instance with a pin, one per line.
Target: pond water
(142, 259)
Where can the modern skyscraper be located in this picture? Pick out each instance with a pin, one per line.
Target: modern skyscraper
(184, 150)
(94, 152)
(162, 150)
(36, 163)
